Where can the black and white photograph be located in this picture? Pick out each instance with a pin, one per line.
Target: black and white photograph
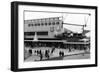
(53, 36)
(56, 36)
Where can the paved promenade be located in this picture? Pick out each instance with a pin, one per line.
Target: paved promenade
(74, 54)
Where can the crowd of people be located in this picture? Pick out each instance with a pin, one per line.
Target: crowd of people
(46, 54)
(42, 54)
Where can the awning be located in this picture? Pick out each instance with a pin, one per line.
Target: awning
(60, 41)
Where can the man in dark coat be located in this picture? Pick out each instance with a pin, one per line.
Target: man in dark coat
(30, 51)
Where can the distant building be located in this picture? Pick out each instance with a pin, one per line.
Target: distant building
(44, 28)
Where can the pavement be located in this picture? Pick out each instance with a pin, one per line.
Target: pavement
(74, 54)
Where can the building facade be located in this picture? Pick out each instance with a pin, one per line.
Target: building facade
(43, 28)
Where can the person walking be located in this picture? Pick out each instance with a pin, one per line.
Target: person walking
(53, 49)
(47, 54)
(30, 52)
(60, 53)
(41, 56)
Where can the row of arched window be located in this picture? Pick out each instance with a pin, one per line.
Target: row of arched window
(44, 24)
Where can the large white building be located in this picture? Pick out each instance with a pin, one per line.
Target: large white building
(43, 28)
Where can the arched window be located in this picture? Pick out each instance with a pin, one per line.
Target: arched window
(57, 23)
(38, 24)
(53, 23)
(35, 24)
(45, 23)
(42, 24)
(49, 23)
(30, 25)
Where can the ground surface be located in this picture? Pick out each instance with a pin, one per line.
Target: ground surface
(75, 54)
